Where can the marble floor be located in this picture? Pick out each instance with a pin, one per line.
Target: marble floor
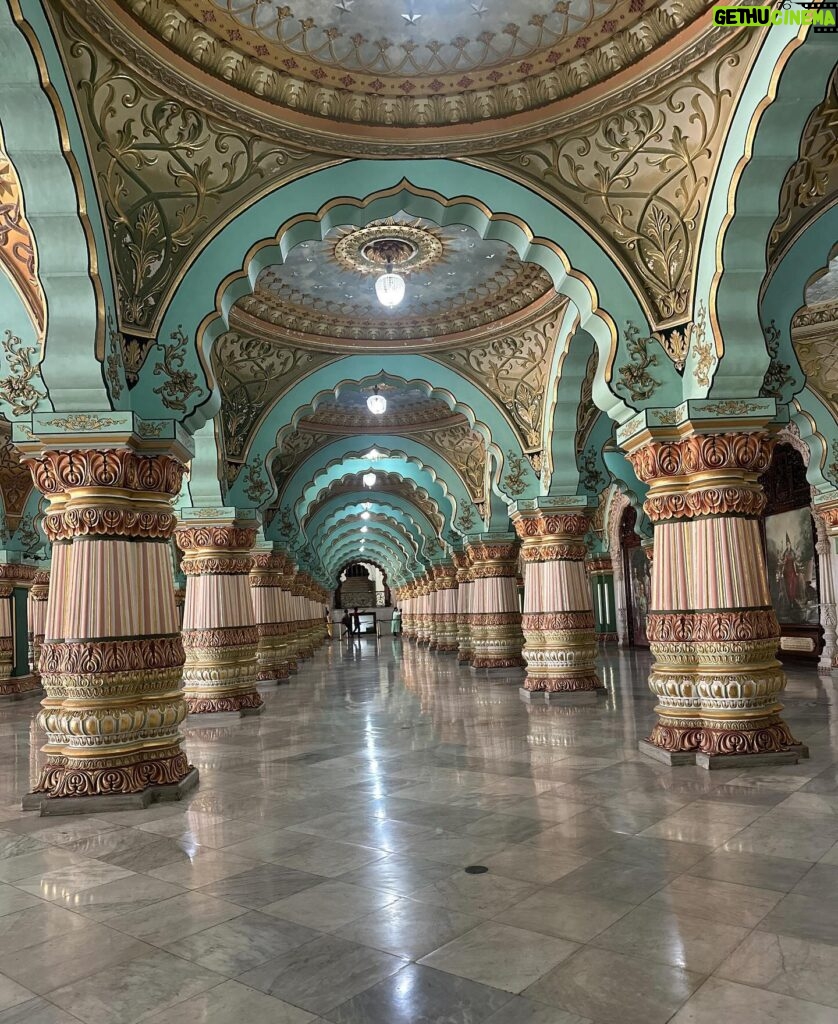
(317, 874)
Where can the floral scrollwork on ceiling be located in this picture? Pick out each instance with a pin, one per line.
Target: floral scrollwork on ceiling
(635, 378)
(641, 174)
(252, 373)
(465, 449)
(18, 387)
(513, 370)
(778, 376)
(515, 481)
(180, 384)
(166, 173)
(812, 180)
(256, 486)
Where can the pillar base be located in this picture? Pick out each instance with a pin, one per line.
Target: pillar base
(714, 762)
(562, 696)
(18, 687)
(112, 802)
(496, 670)
(587, 683)
(244, 703)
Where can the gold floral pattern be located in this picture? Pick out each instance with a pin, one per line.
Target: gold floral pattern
(17, 387)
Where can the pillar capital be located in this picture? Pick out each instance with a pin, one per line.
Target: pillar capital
(826, 505)
(493, 556)
(703, 474)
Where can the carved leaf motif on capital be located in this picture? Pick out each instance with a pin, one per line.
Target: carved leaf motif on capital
(748, 453)
(201, 538)
(55, 472)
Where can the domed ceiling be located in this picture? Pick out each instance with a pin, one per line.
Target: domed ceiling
(457, 283)
(406, 408)
(417, 62)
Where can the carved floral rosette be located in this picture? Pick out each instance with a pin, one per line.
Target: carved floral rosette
(113, 704)
(560, 644)
(220, 636)
(714, 635)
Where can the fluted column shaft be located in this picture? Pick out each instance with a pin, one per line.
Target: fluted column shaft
(266, 592)
(826, 521)
(13, 576)
(112, 655)
(288, 617)
(219, 630)
(712, 628)
(496, 634)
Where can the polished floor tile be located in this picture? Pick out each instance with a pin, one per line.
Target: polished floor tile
(323, 854)
(500, 955)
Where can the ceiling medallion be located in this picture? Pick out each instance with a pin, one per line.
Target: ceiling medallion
(406, 247)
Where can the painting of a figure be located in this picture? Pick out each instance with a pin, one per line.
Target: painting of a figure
(640, 590)
(792, 578)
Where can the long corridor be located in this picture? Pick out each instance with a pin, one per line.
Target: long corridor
(318, 872)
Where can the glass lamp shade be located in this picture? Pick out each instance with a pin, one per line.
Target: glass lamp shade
(389, 288)
(365, 515)
(363, 529)
(377, 404)
(369, 479)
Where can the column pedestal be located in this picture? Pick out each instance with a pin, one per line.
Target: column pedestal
(496, 635)
(114, 704)
(712, 629)
(219, 632)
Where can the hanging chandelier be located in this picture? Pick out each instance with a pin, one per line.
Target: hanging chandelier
(369, 479)
(377, 404)
(389, 289)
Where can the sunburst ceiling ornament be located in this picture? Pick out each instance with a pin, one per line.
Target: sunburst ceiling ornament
(404, 247)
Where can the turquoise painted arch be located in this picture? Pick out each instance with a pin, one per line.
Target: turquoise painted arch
(417, 462)
(319, 534)
(72, 261)
(357, 503)
(445, 192)
(414, 494)
(414, 370)
(359, 530)
(761, 144)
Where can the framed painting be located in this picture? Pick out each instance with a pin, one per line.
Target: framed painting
(792, 567)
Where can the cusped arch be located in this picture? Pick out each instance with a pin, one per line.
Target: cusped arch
(37, 135)
(786, 81)
(442, 191)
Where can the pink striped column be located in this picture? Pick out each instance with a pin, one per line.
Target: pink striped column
(496, 635)
(712, 628)
(266, 591)
(558, 623)
(37, 608)
(445, 586)
(112, 656)
(464, 587)
(219, 630)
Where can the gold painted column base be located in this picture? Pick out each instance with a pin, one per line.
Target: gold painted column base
(221, 670)
(107, 776)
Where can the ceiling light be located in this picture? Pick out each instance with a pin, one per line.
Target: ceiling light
(365, 515)
(389, 289)
(369, 479)
(377, 404)
(373, 454)
(366, 504)
(364, 529)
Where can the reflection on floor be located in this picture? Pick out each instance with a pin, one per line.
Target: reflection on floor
(317, 873)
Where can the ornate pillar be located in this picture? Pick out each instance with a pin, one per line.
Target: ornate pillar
(112, 655)
(464, 585)
(712, 628)
(560, 648)
(37, 608)
(408, 614)
(495, 614)
(445, 582)
(826, 523)
(219, 631)
(423, 619)
(601, 574)
(16, 678)
(266, 593)
(289, 616)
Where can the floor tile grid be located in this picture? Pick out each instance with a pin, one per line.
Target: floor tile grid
(622, 838)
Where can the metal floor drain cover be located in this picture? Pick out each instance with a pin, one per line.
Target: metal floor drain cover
(476, 869)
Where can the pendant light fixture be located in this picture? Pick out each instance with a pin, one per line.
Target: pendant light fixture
(377, 404)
